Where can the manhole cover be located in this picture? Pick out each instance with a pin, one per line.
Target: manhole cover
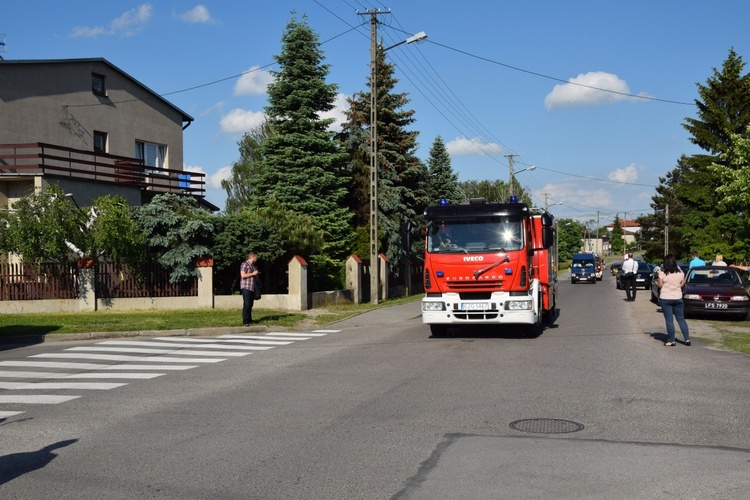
(546, 426)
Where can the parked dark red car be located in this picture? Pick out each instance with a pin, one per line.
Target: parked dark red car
(716, 291)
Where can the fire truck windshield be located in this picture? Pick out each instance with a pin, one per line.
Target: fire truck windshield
(498, 234)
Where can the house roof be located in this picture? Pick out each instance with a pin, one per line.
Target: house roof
(625, 223)
(185, 117)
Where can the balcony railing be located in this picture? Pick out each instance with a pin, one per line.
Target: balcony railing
(40, 158)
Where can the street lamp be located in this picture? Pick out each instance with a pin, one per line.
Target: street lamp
(374, 261)
(513, 175)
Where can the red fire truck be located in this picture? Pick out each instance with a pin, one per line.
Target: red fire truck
(489, 264)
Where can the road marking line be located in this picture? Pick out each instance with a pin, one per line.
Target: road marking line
(164, 351)
(13, 374)
(47, 386)
(93, 366)
(290, 334)
(115, 357)
(260, 341)
(37, 400)
(171, 344)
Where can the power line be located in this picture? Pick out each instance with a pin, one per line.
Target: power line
(542, 75)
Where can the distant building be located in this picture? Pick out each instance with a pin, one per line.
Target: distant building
(630, 230)
(91, 128)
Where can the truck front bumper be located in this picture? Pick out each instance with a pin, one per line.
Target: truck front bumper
(500, 308)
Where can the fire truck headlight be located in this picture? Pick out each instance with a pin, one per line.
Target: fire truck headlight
(518, 305)
(433, 306)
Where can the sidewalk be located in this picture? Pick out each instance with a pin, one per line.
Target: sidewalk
(380, 315)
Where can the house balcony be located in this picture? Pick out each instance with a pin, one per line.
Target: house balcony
(35, 159)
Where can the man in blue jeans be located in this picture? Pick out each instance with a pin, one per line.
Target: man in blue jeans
(248, 272)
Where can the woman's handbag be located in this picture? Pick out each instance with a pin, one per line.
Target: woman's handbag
(257, 289)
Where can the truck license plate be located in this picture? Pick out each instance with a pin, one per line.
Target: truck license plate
(715, 305)
(473, 306)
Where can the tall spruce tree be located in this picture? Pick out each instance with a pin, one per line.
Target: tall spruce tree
(403, 178)
(723, 108)
(698, 220)
(443, 180)
(301, 165)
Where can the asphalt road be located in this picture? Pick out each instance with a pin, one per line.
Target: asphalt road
(373, 408)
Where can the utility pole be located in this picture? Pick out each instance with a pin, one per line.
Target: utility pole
(598, 250)
(374, 254)
(510, 180)
(666, 230)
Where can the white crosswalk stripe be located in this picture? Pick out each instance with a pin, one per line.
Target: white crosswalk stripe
(42, 399)
(126, 360)
(257, 339)
(19, 386)
(136, 375)
(133, 359)
(92, 366)
(188, 344)
(134, 350)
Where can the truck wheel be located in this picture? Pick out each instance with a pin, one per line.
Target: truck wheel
(572, 281)
(439, 330)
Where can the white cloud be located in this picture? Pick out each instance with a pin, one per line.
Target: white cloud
(576, 195)
(627, 174)
(128, 24)
(253, 82)
(337, 113)
(461, 146)
(213, 181)
(579, 92)
(198, 14)
(239, 121)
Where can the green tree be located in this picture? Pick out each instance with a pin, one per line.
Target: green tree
(240, 186)
(42, 226)
(300, 164)
(115, 234)
(568, 238)
(275, 233)
(617, 242)
(176, 233)
(443, 180)
(723, 108)
(734, 173)
(48, 226)
(698, 218)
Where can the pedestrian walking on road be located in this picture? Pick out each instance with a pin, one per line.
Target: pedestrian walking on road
(671, 280)
(629, 269)
(248, 273)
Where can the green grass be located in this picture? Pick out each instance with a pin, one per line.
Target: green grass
(130, 321)
(733, 336)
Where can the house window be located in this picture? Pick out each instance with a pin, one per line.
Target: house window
(100, 142)
(98, 86)
(152, 155)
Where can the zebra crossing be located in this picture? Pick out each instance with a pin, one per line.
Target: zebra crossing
(111, 364)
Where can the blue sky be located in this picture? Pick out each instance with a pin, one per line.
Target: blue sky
(493, 78)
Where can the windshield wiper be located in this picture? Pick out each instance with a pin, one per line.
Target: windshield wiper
(480, 272)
